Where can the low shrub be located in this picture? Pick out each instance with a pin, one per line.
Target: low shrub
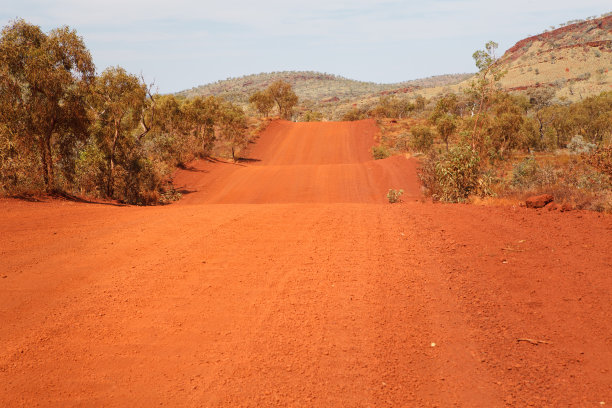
(380, 152)
(580, 146)
(394, 196)
(422, 138)
(453, 176)
(354, 114)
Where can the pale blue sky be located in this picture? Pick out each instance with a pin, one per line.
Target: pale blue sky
(185, 43)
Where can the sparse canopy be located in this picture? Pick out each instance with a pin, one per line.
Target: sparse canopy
(263, 102)
(279, 93)
(483, 88)
(485, 58)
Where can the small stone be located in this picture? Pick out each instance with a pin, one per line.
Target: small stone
(433, 344)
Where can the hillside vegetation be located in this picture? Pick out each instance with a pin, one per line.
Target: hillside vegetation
(317, 90)
(575, 60)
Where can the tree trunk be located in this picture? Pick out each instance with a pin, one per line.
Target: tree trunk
(44, 160)
(47, 157)
(111, 164)
(50, 174)
(541, 131)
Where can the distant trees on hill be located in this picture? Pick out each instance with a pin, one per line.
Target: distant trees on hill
(279, 93)
(263, 102)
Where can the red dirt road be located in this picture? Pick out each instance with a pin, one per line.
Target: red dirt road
(263, 294)
(304, 163)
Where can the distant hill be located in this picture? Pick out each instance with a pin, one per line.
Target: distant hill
(574, 60)
(315, 87)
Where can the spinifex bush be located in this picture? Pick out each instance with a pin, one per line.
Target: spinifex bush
(394, 196)
(380, 152)
(525, 172)
(453, 176)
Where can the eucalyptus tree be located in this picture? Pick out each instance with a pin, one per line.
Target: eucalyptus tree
(233, 127)
(483, 89)
(200, 115)
(119, 103)
(44, 78)
(282, 94)
(262, 101)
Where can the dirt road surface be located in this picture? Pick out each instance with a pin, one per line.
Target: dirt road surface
(287, 280)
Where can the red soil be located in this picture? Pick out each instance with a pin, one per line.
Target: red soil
(321, 295)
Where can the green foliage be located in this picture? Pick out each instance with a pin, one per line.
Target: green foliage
(394, 196)
(589, 118)
(447, 105)
(279, 93)
(232, 124)
(484, 59)
(43, 79)
(525, 172)
(90, 169)
(502, 130)
(453, 176)
(63, 128)
(118, 101)
(422, 138)
(446, 125)
(380, 152)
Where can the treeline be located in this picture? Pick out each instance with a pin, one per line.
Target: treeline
(65, 129)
